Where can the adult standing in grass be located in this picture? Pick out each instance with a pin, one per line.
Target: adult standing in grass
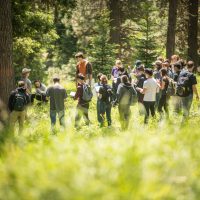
(25, 78)
(186, 88)
(105, 100)
(126, 94)
(149, 90)
(17, 103)
(57, 95)
(84, 67)
(83, 103)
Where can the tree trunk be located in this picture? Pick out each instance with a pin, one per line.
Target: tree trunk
(115, 23)
(193, 31)
(6, 69)
(171, 30)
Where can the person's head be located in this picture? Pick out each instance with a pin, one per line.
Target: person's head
(158, 65)
(37, 83)
(79, 56)
(99, 76)
(56, 79)
(174, 59)
(160, 58)
(118, 63)
(163, 72)
(138, 63)
(140, 70)
(166, 64)
(148, 72)
(177, 66)
(21, 84)
(80, 78)
(104, 79)
(190, 66)
(26, 72)
(124, 79)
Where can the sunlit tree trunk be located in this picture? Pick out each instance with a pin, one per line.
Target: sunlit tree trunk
(6, 69)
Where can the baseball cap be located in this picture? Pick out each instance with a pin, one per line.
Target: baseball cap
(25, 70)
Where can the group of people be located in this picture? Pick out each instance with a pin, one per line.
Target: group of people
(150, 88)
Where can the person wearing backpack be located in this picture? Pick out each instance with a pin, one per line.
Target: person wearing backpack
(186, 88)
(84, 67)
(149, 90)
(84, 96)
(163, 102)
(105, 100)
(57, 94)
(126, 96)
(17, 103)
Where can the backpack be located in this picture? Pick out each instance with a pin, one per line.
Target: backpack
(20, 101)
(129, 97)
(171, 90)
(183, 87)
(87, 93)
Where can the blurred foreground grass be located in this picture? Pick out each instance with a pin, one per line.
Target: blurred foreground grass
(160, 161)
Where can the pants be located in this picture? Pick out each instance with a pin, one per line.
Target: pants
(177, 104)
(186, 105)
(98, 111)
(149, 107)
(158, 96)
(61, 116)
(163, 103)
(17, 116)
(105, 108)
(124, 115)
(82, 110)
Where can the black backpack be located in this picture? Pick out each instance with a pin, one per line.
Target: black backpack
(130, 96)
(20, 101)
(183, 87)
(107, 94)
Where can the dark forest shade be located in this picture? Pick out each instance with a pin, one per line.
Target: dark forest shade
(193, 31)
(171, 29)
(6, 69)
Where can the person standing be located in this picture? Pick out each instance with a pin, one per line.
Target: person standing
(105, 100)
(83, 67)
(25, 78)
(186, 88)
(17, 103)
(57, 95)
(163, 103)
(126, 95)
(83, 95)
(149, 90)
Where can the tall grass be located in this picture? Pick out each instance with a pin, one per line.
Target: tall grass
(159, 161)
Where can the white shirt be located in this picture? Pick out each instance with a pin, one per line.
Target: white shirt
(151, 87)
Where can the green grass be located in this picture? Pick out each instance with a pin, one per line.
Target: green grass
(159, 161)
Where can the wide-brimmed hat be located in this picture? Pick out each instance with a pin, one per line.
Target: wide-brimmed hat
(25, 70)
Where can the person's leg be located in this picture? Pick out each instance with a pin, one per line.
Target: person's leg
(98, 111)
(12, 120)
(21, 119)
(61, 116)
(147, 107)
(161, 104)
(78, 116)
(152, 108)
(85, 114)
(186, 103)
(121, 115)
(53, 119)
(102, 113)
(166, 106)
(127, 114)
(108, 114)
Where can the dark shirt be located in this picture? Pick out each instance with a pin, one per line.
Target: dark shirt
(57, 96)
(11, 101)
(139, 84)
(175, 76)
(106, 92)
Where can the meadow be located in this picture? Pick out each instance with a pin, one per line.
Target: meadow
(160, 161)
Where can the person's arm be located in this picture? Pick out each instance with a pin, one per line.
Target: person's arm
(162, 85)
(89, 72)
(11, 101)
(195, 91)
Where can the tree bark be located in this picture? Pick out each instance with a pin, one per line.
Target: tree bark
(6, 68)
(171, 30)
(193, 31)
(115, 23)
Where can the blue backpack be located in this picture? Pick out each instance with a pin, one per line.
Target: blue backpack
(87, 93)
